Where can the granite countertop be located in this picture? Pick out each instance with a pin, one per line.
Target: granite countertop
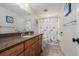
(10, 41)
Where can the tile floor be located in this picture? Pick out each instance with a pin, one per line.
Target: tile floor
(52, 50)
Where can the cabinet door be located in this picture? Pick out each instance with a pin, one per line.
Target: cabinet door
(40, 43)
(37, 48)
(13, 51)
(33, 50)
(32, 47)
(28, 52)
(29, 43)
(21, 54)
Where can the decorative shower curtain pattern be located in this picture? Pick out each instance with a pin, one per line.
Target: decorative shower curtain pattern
(49, 28)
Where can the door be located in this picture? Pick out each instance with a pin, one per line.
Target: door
(69, 32)
(74, 31)
(77, 17)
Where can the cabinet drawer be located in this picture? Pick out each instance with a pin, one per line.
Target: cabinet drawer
(13, 51)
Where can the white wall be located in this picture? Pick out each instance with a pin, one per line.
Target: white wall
(18, 21)
(69, 32)
(31, 24)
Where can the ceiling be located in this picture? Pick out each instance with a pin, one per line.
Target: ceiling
(15, 8)
(37, 9)
(53, 8)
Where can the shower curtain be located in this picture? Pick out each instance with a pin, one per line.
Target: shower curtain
(49, 27)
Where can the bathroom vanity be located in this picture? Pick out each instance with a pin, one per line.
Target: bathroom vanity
(21, 46)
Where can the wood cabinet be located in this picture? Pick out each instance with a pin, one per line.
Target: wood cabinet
(28, 51)
(21, 54)
(31, 47)
(14, 51)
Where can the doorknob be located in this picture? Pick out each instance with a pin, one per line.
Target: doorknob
(75, 40)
